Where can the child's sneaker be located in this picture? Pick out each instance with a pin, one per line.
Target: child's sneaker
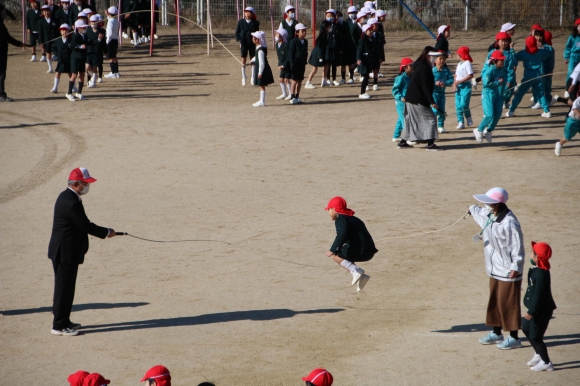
(398, 139)
(80, 97)
(474, 84)
(118, 75)
(33, 59)
(283, 96)
(309, 85)
(288, 98)
(70, 97)
(375, 87)
(100, 80)
(547, 114)
(43, 58)
(441, 130)
(50, 71)
(92, 85)
(478, 135)
(252, 81)
(156, 36)
(364, 96)
(110, 75)
(532, 98)
(537, 106)
(469, 121)
(488, 136)
(362, 282)
(356, 276)
(566, 93)
(335, 83)
(243, 81)
(371, 75)
(543, 366)
(125, 36)
(509, 114)
(509, 344)
(342, 81)
(506, 106)
(259, 104)
(460, 126)
(558, 150)
(491, 338)
(350, 81)
(54, 90)
(535, 360)
(380, 75)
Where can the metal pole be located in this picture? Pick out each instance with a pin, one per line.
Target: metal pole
(466, 14)
(209, 24)
(152, 28)
(119, 12)
(207, 27)
(313, 22)
(24, 21)
(177, 11)
(272, 22)
(297, 16)
(238, 8)
(561, 11)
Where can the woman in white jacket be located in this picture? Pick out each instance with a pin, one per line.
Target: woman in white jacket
(503, 246)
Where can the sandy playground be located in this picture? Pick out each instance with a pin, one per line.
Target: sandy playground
(180, 153)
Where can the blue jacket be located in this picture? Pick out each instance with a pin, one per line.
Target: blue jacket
(491, 76)
(550, 62)
(399, 89)
(572, 47)
(510, 65)
(532, 62)
(444, 76)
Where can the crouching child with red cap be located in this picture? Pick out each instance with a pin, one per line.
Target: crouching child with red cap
(157, 376)
(353, 242)
(318, 377)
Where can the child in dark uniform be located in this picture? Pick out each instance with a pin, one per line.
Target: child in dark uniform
(333, 49)
(62, 49)
(78, 57)
(318, 54)
(62, 14)
(244, 30)
(289, 23)
(347, 56)
(297, 56)
(47, 31)
(283, 63)
(97, 44)
(442, 43)
(33, 19)
(353, 241)
(261, 72)
(367, 58)
(538, 299)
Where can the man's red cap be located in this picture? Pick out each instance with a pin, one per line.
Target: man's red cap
(544, 252)
(537, 27)
(319, 377)
(502, 36)
(95, 379)
(548, 37)
(77, 378)
(160, 374)
(497, 55)
(81, 174)
(531, 45)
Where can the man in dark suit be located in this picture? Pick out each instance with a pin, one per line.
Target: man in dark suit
(68, 244)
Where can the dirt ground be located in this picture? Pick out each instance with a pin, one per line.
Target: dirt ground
(180, 153)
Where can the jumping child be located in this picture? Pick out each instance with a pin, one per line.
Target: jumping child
(261, 72)
(538, 299)
(112, 42)
(78, 57)
(493, 77)
(48, 30)
(317, 56)
(298, 57)
(571, 51)
(443, 79)
(367, 58)
(244, 30)
(353, 241)
(462, 85)
(62, 49)
(33, 19)
(283, 63)
(572, 126)
(399, 91)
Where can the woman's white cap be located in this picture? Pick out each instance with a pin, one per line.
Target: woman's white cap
(352, 9)
(80, 24)
(493, 196)
(380, 13)
(366, 27)
(112, 10)
(288, 8)
(250, 9)
(299, 26)
(507, 26)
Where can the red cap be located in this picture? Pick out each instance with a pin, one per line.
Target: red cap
(319, 377)
(577, 22)
(404, 63)
(339, 205)
(497, 55)
(95, 379)
(544, 252)
(502, 36)
(531, 45)
(33, 1)
(548, 37)
(463, 52)
(537, 27)
(160, 374)
(77, 378)
(81, 174)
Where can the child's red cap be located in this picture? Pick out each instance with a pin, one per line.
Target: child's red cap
(319, 377)
(404, 63)
(531, 45)
(497, 55)
(537, 27)
(577, 22)
(544, 252)
(548, 37)
(160, 374)
(502, 36)
(77, 378)
(463, 52)
(95, 379)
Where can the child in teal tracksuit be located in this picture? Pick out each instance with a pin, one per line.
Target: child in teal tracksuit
(443, 78)
(504, 40)
(399, 91)
(548, 65)
(532, 58)
(493, 77)
(572, 50)
(462, 85)
(572, 126)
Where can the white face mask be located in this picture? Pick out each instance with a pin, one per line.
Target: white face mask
(352, 16)
(85, 190)
(331, 19)
(292, 16)
(340, 19)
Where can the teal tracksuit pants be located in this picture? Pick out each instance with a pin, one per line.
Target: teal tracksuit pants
(537, 86)
(439, 98)
(401, 121)
(492, 107)
(462, 99)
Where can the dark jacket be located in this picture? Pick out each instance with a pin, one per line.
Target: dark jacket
(355, 30)
(282, 52)
(5, 39)
(71, 229)
(352, 231)
(291, 29)
(95, 46)
(48, 31)
(538, 298)
(298, 52)
(244, 31)
(421, 85)
(62, 17)
(62, 50)
(73, 12)
(368, 53)
(33, 19)
(77, 40)
(442, 45)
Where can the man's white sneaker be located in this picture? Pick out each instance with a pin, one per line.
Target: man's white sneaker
(289, 97)
(259, 104)
(80, 97)
(283, 96)
(54, 90)
(342, 81)
(70, 97)
(110, 75)
(362, 282)
(478, 135)
(509, 114)
(357, 275)
(469, 121)
(535, 360)
(537, 106)
(43, 58)
(547, 114)
(33, 59)
(65, 332)
(474, 84)
(488, 136)
(309, 86)
(460, 126)
(364, 96)
(558, 150)
(375, 87)
(542, 366)
(441, 130)
(336, 83)
(350, 81)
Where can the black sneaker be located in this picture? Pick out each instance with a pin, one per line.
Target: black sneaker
(404, 145)
(65, 332)
(74, 326)
(6, 99)
(433, 148)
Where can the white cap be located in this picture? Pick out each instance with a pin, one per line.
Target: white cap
(81, 14)
(299, 26)
(282, 32)
(80, 24)
(369, 4)
(435, 53)
(261, 35)
(507, 26)
(366, 27)
(442, 29)
(94, 18)
(366, 10)
(112, 10)
(250, 9)
(372, 21)
(493, 196)
(64, 26)
(380, 13)
(361, 14)
(45, 7)
(330, 11)
(288, 8)
(88, 11)
(352, 9)
(65, 1)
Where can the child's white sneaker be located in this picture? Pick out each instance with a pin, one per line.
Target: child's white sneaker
(92, 85)
(362, 282)
(380, 75)
(558, 150)
(357, 275)
(100, 80)
(252, 81)
(355, 70)
(243, 81)
(50, 71)
(547, 114)
(542, 366)
(375, 87)
(478, 135)
(110, 75)
(309, 85)
(350, 81)
(566, 93)
(80, 97)
(33, 59)
(259, 104)
(488, 136)
(336, 83)
(367, 89)
(535, 360)
(118, 75)
(288, 98)
(398, 139)
(474, 84)
(125, 36)
(54, 90)
(371, 75)
(70, 97)
(537, 106)
(43, 58)
(283, 96)
(532, 98)
(441, 130)
(156, 36)
(509, 114)
(364, 96)
(342, 81)
(469, 121)
(460, 126)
